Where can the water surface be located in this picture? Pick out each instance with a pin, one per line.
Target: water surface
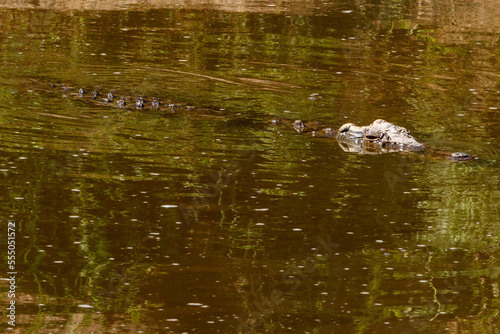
(208, 218)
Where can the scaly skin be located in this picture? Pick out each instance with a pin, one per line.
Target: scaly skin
(387, 135)
(381, 137)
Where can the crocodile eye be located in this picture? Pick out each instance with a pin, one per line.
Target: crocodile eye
(372, 137)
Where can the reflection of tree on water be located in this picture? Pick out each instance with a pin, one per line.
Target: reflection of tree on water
(117, 186)
(448, 259)
(109, 285)
(478, 15)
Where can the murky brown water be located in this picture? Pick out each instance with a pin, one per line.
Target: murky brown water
(207, 218)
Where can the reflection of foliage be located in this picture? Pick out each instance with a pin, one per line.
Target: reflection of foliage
(425, 35)
(116, 289)
(95, 177)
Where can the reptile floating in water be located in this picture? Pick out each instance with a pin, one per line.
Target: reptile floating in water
(376, 138)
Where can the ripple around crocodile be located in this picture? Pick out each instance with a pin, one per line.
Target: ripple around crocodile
(376, 138)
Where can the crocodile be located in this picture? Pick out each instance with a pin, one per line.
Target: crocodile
(379, 135)
(376, 138)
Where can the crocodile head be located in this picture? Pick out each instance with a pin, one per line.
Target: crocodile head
(379, 137)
